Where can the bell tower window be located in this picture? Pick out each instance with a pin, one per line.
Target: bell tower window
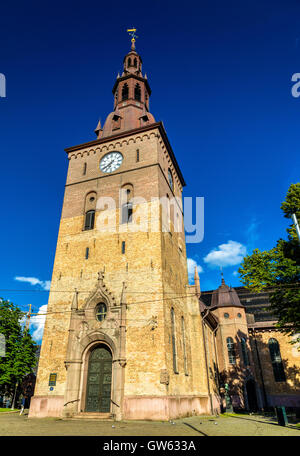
(89, 220)
(137, 92)
(127, 213)
(116, 122)
(125, 92)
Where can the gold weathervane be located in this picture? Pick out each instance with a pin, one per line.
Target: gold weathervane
(131, 32)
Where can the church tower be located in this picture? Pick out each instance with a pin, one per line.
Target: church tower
(121, 325)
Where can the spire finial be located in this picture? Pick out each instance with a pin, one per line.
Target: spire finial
(98, 129)
(131, 32)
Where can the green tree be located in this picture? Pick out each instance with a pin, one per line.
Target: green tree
(20, 350)
(278, 271)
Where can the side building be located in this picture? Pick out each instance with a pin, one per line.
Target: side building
(258, 362)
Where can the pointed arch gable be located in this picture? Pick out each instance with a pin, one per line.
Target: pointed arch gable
(101, 293)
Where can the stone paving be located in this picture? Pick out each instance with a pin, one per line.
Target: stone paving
(12, 424)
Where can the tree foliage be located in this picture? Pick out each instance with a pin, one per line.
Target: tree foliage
(278, 270)
(20, 348)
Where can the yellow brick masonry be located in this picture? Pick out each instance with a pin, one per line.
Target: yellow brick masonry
(153, 267)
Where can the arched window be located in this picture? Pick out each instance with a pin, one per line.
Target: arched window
(137, 92)
(174, 351)
(127, 213)
(126, 195)
(184, 347)
(231, 350)
(277, 365)
(101, 311)
(129, 62)
(170, 178)
(244, 351)
(84, 169)
(135, 63)
(89, 210)
(125, 92)
(89, 220)
(166, 213)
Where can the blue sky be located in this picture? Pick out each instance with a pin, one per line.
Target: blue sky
(220, 74)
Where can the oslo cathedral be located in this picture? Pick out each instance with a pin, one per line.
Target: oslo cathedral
(125, 336)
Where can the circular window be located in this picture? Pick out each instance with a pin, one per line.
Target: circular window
(101, 310)
(92, 198)
(239, 315)
(226, 315)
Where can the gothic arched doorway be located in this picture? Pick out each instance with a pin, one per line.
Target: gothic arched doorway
(98, 385)
(251, 395)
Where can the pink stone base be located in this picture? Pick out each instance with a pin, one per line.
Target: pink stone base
(46, 406)
(135, 407)
(165, 407)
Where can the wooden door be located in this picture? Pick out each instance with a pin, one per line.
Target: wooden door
(99, 381)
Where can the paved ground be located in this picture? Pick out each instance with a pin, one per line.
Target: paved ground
(12, 424)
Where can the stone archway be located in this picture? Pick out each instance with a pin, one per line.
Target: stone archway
(91, 328)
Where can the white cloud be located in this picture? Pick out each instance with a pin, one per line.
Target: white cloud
(38, 323)
(191, 264)
(34, 281)
(224, 255)
(235, 273)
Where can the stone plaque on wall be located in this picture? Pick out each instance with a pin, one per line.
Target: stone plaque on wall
(164, 376)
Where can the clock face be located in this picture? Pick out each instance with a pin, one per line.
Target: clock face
(170, 177)
(110, 162)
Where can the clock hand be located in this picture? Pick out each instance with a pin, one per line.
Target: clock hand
(107, 165)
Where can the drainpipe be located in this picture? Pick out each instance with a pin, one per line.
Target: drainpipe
(261, 373)
(216, 354)
(217, 363)
(206, 363)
